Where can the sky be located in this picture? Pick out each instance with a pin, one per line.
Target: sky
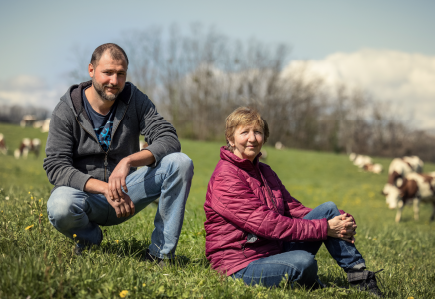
(386, 48)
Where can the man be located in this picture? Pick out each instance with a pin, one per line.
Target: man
(93, 153)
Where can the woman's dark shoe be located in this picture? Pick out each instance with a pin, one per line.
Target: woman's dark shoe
(365, 281)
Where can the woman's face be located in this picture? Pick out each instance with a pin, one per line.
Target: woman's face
(248, 141)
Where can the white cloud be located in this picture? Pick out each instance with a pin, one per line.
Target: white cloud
(29, 91)
(405, 79)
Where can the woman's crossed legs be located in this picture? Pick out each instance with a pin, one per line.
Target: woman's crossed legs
(298, 259)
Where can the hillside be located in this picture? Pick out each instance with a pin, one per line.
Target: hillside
(39, 263)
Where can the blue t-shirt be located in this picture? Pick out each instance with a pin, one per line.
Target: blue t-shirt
(102, 124)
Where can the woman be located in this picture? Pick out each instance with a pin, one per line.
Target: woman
(257, 231)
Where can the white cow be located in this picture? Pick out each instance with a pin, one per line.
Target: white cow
(361, 160)
(26, 146)
(413, 188)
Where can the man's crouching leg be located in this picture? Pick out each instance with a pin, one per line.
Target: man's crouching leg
(178, 169)
(67, 211)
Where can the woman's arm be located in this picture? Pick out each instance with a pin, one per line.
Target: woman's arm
(233, 199)
(293, 208)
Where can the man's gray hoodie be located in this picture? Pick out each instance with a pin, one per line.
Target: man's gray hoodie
(73, 152)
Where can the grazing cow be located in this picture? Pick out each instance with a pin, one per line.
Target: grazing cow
(375, 168)
(365, 163)
(26, 146)
(414, 187)
(3, 148)
(401, 167)
(415, 163)
(361, 160)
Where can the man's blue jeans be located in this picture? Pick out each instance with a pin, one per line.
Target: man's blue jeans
(298, 259)
(75, 212)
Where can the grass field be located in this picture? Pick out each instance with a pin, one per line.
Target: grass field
(38, 262)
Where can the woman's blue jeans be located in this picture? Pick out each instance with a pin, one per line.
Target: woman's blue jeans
(298, 259)
(75, 212)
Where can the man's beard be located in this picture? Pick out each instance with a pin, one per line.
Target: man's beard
(100, 90)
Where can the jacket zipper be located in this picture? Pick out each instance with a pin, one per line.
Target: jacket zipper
(106, 152)
(272, 198)
(105, 158)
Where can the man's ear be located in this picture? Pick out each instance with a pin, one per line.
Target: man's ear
(91, 70)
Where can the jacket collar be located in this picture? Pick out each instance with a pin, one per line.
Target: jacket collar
(77, 100)
(244, 164)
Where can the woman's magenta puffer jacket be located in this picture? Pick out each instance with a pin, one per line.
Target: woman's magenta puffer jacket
(248, 199)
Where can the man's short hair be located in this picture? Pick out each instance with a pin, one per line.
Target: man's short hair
(115, 51)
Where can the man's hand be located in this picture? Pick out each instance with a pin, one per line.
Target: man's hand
(117, 180)
(342, 227)
(124, 207)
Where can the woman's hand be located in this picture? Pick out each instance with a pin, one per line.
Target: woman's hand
(342, 227)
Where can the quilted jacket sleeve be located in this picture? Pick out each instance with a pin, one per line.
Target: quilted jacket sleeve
(235, 201)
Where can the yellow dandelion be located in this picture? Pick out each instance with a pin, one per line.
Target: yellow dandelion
(40, 200)
(31, 197)
(410, 297)
(40, 214)
(144, 284)
(74, 236)
(29, 227)
(123, 294)
(117, 241)
(29, 192)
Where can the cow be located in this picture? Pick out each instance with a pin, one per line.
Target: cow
(279, 145)
(365, 163)
(413, 188)
(28, 145)
(415, 163)
(401, 167)
(3, 148)
(375, 168)
(361, 160)
(142, 145)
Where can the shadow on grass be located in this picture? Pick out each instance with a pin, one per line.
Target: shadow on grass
(133, 248)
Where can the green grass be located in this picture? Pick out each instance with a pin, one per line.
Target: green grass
(39, 263)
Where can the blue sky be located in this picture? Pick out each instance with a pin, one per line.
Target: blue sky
(37, 37)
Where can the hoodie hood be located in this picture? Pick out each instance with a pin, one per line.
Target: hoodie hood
(73, 97)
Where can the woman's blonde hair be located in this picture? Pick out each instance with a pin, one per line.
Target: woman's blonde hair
(244, 116)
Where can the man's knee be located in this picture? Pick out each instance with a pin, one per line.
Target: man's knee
(183, 163)
(62, 206)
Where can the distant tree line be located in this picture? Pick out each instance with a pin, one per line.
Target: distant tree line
(14, 113)
(196, 79)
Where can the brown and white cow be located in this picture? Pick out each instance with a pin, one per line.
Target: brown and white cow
(28, 145)
(413, 188)
(3, 148)
(399, 168)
